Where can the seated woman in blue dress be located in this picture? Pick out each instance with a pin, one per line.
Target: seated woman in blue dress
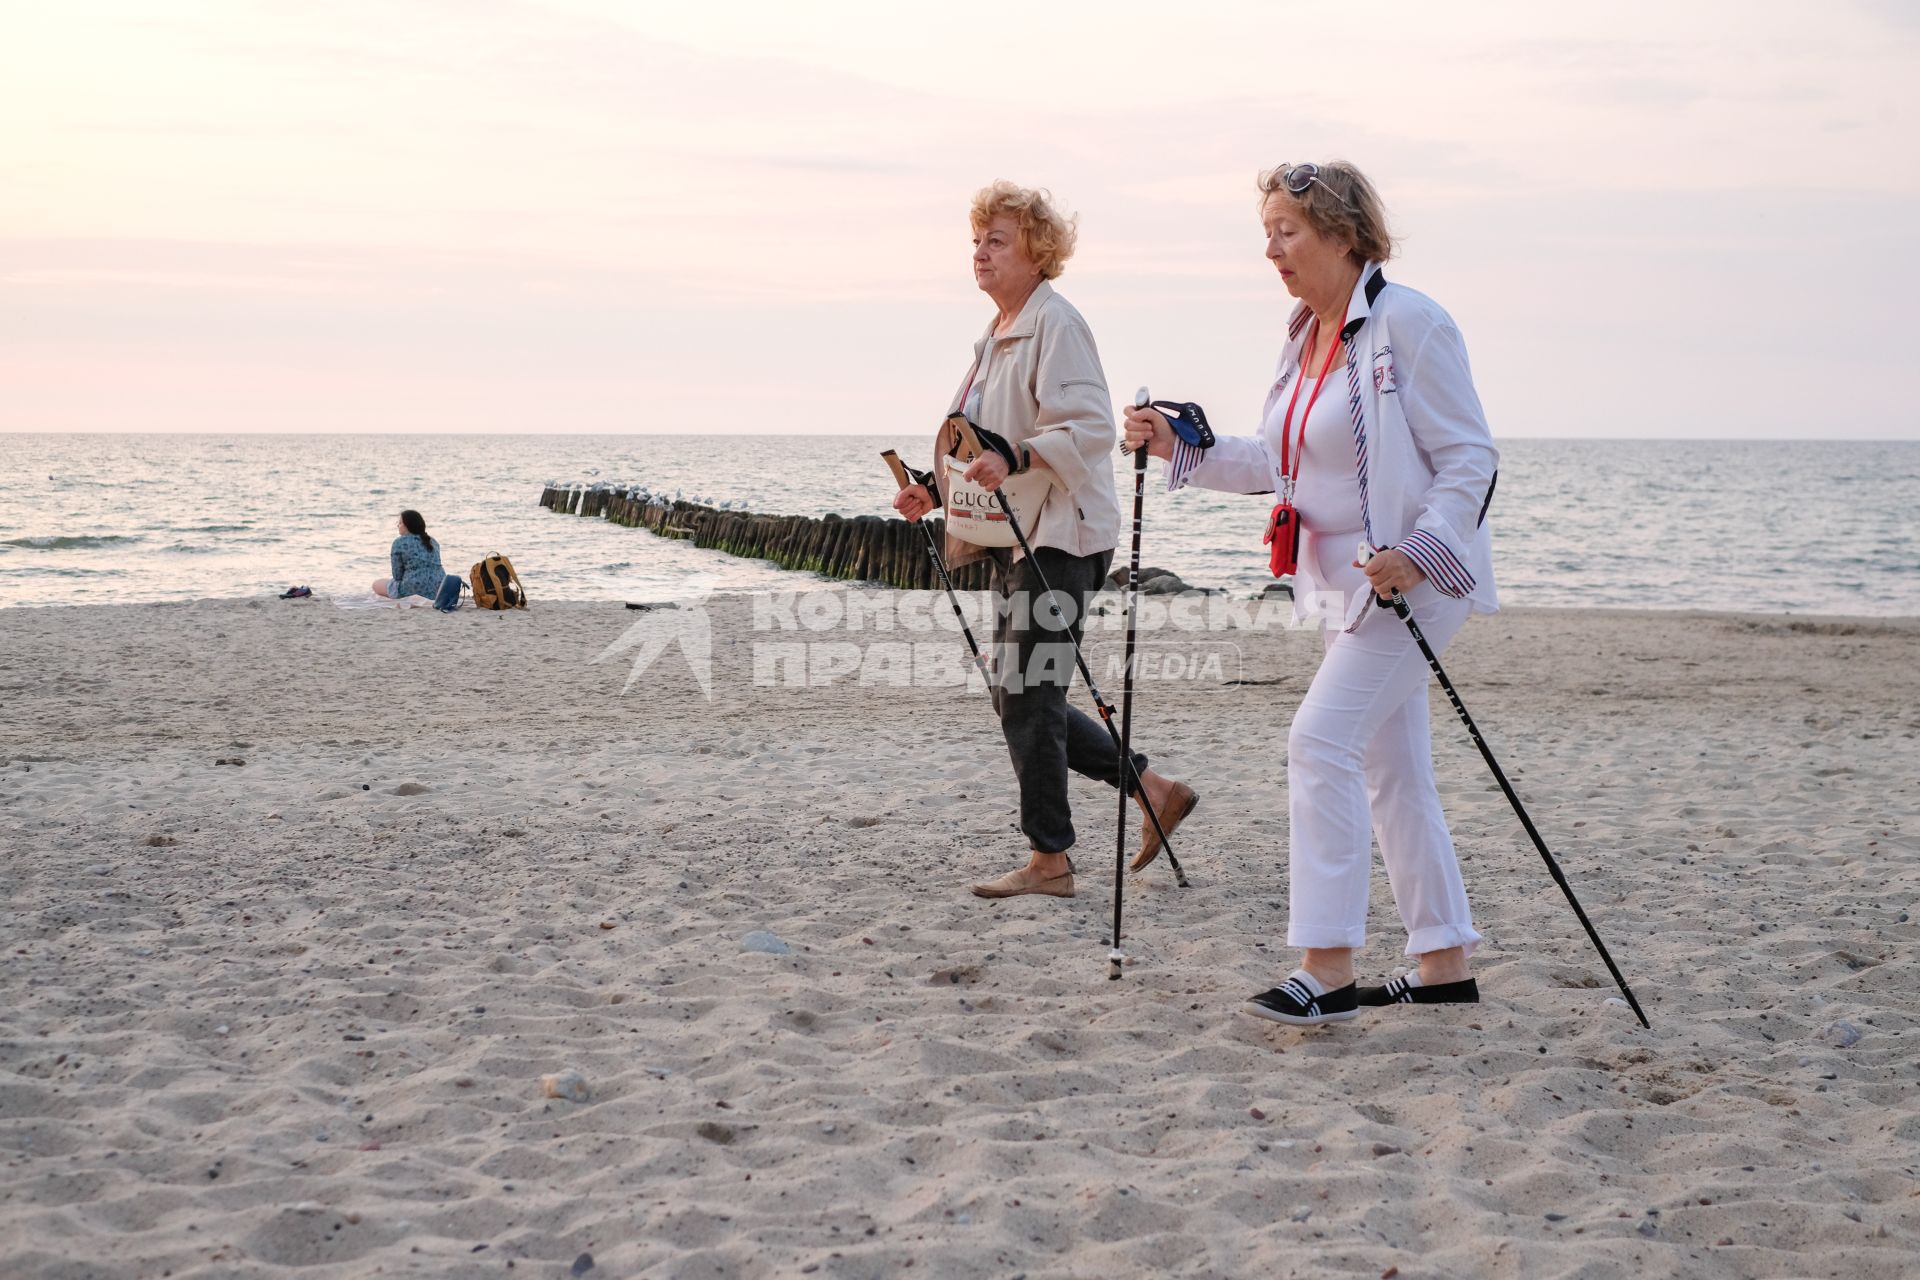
(415, 562)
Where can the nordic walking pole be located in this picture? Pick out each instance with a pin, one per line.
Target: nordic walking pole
(1116, 957)
(1100, 703)
(906, 481)
(1399, 605)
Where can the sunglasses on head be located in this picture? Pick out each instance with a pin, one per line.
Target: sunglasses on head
(1296, 178)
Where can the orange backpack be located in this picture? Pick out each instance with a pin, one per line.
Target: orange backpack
(496, 585)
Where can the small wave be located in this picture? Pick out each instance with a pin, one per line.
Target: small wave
(37, 571)
(58, 542)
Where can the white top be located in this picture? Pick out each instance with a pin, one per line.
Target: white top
(1328, 495)
(978, 391)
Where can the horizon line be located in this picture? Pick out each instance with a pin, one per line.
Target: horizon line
(863, 435)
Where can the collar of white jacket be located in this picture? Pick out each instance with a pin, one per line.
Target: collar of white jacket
(1365, 291)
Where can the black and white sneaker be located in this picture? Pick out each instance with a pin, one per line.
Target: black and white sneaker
(1303, 1001)
(1408, 989)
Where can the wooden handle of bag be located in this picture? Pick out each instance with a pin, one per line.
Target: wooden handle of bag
(900, 476)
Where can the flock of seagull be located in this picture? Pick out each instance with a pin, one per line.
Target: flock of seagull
(649, 497)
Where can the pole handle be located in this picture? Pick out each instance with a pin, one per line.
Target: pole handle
(1395, 602)
(1141, 399)
(900, 476)
(968, 439)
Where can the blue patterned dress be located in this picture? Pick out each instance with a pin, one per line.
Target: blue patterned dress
(416, 567)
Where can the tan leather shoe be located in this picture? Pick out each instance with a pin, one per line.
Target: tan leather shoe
(1179, 804)
(1015, 883)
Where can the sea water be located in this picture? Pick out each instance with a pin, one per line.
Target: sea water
(1808, 527)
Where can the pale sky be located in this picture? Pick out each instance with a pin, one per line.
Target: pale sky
(1649, 219)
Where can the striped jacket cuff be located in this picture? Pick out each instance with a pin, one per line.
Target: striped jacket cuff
(1441, 566)
(1185, 458)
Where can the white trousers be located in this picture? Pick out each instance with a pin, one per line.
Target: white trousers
(1359, 765)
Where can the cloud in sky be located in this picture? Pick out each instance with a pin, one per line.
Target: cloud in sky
(1649, 219)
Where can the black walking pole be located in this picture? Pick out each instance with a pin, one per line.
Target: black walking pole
(1100, 703)
(905, 480)
(1116, 957)
(1399, 605)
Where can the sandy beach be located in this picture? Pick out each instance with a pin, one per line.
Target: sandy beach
(291, 1015)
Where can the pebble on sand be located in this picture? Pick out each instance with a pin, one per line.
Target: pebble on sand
(1842, 1035)
(568, 1085)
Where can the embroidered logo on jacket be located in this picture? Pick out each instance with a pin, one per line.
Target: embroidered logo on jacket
(1383, 382)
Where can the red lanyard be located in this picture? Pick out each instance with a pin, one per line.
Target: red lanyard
(1290, 462)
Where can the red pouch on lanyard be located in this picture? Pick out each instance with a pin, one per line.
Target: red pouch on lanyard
(1282, 539)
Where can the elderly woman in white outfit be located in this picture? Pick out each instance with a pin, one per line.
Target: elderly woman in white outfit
(1372, 429)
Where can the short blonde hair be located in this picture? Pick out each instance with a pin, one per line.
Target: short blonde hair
(1046, 235)
(1341, 205)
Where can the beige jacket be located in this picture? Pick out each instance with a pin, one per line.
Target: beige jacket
(1046, 391)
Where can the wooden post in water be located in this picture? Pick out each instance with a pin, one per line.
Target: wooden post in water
(870, 548)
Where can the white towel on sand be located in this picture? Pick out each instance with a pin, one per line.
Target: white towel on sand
(371, 601)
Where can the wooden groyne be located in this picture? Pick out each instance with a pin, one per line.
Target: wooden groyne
(883, 549)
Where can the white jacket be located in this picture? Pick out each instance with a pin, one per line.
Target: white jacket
(1427, 462)
(1046, 391)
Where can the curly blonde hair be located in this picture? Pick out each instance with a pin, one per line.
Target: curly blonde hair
(1341, 205)
(1046, 235)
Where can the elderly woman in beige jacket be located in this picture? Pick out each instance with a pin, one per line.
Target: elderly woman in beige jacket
(1036, 383)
